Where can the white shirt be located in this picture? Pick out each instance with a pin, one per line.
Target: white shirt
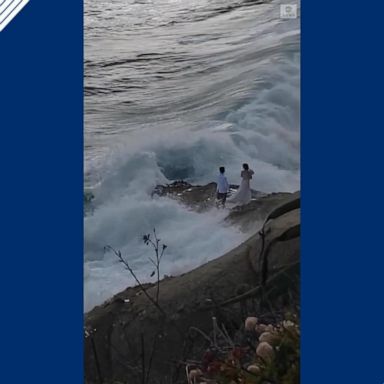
(222, 184)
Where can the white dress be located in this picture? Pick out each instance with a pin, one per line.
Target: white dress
(244, 194)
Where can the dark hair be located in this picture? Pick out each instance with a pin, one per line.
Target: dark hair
(222, 169)
(246, 166)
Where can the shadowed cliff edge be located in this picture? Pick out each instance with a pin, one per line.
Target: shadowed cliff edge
(128, 340)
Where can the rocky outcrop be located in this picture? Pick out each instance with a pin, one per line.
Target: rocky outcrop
(197, 197)
(129, 338)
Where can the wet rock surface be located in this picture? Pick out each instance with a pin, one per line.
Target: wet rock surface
(197, 197)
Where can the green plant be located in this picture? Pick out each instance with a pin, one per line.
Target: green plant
(275, 359)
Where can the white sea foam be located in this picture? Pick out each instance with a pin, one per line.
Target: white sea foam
(192, 239)
(124, 209)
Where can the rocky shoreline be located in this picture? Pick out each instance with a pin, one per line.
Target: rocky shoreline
(258, 278)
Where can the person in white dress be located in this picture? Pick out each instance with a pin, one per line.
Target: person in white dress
(244, 194)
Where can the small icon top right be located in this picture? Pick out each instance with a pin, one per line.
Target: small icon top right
(288, 11)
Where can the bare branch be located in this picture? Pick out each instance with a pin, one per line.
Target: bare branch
(122, 260)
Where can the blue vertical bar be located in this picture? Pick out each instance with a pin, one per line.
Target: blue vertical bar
(41, 118)
(342, 147)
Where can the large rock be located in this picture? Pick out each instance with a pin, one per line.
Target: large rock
(197, 197)
(122, 333)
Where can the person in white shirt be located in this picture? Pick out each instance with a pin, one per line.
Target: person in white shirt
(222, 187)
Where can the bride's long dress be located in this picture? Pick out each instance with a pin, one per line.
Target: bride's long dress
(244, 194)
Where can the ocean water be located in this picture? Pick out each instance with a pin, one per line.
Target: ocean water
(173, 90)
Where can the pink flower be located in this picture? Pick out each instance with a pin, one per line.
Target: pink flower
(253, 368)
(268, 337)
(265, 351)
(250, 323)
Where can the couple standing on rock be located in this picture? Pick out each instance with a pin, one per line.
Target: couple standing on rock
(243, 195)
